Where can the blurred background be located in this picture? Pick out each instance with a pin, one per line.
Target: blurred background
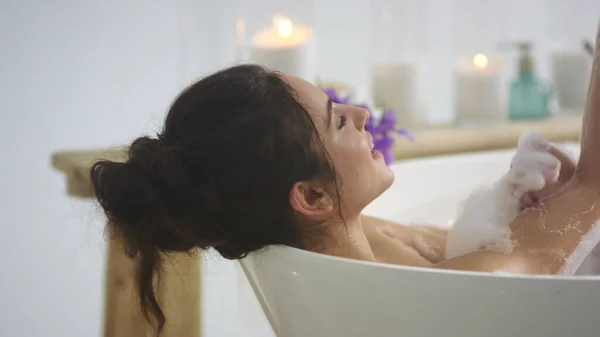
(95, 74)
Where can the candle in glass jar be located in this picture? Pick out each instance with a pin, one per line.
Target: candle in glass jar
(478, 89)
(571, 71)
(285, 47)
(395, 86)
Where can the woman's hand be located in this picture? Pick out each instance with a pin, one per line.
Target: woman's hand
(562, 168)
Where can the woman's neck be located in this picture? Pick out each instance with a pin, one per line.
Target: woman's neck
(346, 239)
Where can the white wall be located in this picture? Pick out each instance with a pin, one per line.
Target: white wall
(82, 73)
(73, 74)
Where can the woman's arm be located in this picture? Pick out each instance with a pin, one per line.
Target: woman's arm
(487, 261)
(555, 236)
(551, 238)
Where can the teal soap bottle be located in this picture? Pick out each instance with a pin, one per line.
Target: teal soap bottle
(528, 96)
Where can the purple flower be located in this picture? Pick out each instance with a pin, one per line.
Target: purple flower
(405, 134)
(388, 121)
(380, 128)
(384, 144)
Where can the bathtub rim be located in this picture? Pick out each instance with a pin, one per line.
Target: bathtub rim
(422, 270)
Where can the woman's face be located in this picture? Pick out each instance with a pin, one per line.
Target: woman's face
(362, 172)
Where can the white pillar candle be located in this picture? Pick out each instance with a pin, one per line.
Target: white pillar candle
(285, 47)
(396, 86)
(570, 73)
(479, 90)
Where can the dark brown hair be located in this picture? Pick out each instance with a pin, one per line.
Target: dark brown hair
(217, 175)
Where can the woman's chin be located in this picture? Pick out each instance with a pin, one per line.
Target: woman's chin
(390, 179)
(386, 176)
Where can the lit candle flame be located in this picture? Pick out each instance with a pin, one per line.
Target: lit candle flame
(480, 61)
(240, 29)
(283, 26)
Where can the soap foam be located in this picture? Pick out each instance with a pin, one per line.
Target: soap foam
(485, 217)
(483, 222)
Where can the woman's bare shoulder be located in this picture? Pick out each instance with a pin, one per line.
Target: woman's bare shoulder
(395, 228)
(427, 241)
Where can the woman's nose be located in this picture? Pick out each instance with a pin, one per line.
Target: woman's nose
(361, 116)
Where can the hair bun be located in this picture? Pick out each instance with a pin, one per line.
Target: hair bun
(135, 196)
(146, 153)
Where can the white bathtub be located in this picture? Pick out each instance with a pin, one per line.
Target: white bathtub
(306, 294)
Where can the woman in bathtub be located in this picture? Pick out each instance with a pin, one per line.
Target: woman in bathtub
(249, 158)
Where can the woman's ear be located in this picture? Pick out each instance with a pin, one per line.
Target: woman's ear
(311, 201)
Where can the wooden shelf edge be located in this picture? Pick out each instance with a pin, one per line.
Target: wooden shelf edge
(76, 166)
(453, 140)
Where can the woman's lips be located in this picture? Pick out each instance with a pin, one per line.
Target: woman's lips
(374, 153)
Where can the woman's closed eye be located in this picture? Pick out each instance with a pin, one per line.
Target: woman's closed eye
(343, 120)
